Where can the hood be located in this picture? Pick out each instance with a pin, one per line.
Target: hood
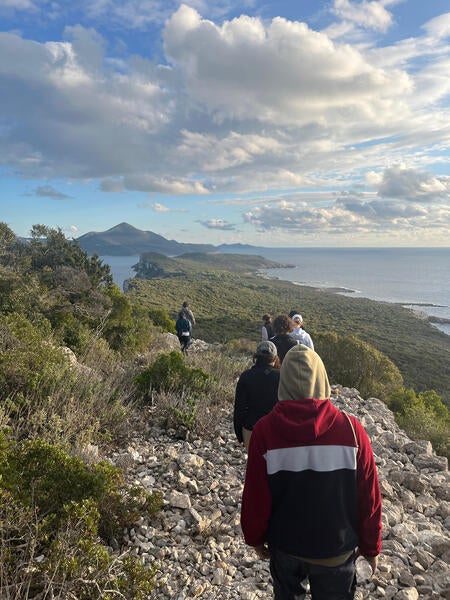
(302, 421)
(303, 376)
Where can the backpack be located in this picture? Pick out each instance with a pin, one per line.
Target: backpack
(183, 326)
(270, 332)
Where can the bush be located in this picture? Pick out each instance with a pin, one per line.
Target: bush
(169, 372)
(38, 559)
(423, 416)
(53, 508)
(354, 363)
(27, 361)
(241, 346)
(45, 477)
(161, 319)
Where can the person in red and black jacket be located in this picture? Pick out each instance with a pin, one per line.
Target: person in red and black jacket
(311, 500)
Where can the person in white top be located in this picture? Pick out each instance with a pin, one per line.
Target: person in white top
(299, 333)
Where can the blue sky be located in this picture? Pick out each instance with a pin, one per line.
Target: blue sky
(275, 123)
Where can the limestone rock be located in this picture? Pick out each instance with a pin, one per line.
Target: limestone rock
(196, 542)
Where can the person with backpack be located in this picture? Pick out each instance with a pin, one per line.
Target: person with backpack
(266, 329)
(187, 312)
(184, 331)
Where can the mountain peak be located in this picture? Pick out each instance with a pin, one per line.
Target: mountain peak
(125, 240)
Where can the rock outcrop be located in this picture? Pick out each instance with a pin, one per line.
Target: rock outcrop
(196, 541)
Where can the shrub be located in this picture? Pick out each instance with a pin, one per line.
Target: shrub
(161, 318)
(169, 372)
(183, 414)
(423, 416)
(45, 477)
(241, 346)
(38, 559)
(27, 360)
(354, 363)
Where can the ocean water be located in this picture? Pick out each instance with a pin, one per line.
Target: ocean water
(121, 267)
(418, 278)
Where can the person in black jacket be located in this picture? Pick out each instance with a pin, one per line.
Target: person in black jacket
(256, 391)
(283, 327)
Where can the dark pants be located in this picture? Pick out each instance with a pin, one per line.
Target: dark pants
(185, 341)
(290, 576)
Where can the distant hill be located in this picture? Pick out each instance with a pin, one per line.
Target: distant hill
(152, 264)
(126, 240)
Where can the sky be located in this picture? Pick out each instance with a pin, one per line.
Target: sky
(284, 123)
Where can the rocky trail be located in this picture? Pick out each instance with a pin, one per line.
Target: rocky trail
(195, 541)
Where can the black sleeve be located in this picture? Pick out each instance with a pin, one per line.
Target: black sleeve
(240, 407)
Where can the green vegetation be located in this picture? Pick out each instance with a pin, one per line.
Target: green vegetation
(229, 305)
(66, 336)
(354, 363)
(423, 416)
(169, 372)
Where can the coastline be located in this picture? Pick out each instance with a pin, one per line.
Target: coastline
(413, 307)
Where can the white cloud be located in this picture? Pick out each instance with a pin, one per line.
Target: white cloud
(284, 73)
(159, 207)
(439, 27)
(17, 4)
(217, 154)
(369, 15)
(410, 184)
(220, 224)
(147, 183)
(350, 215)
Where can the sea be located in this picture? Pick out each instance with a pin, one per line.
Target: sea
(418, 278)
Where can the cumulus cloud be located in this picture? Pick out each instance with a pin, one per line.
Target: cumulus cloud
(48, 191)
(411, 184)
(348, 214)
(218, 224)
(281, 73)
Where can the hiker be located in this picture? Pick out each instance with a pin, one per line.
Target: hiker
(298, 333)
(184, 331)
(186, 310)
(283, 326)
(266, 329)
(256, 391)
(311, 500)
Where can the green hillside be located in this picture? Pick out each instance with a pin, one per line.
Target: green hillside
(229, 304)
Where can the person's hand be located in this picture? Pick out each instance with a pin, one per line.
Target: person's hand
(373, 562)
(262, 551)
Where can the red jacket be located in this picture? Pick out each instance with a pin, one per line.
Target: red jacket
(310, 489)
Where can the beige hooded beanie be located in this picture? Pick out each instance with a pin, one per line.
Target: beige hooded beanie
(303, 376)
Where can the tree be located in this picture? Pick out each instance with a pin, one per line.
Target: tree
(50, 248)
